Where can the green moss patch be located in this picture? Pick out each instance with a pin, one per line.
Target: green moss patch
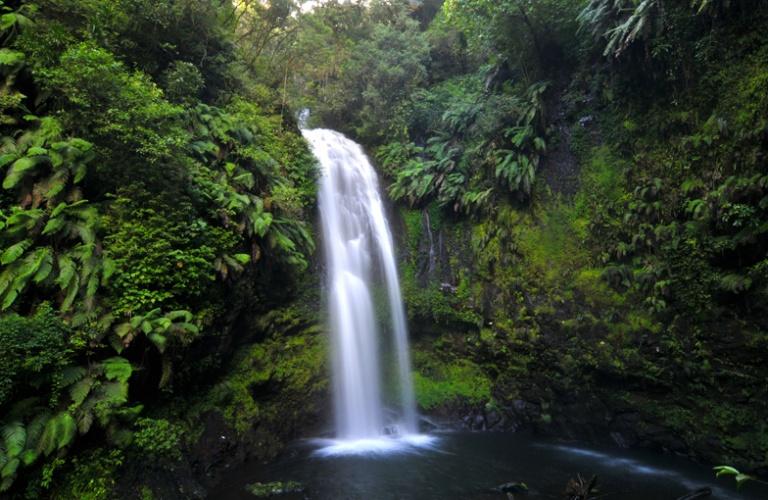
(439, 383)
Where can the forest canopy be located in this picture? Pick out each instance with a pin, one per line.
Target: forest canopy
(595, 167)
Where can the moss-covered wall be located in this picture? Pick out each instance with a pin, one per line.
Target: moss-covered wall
(523, 317)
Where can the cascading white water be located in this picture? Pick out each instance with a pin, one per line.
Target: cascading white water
(358, 240)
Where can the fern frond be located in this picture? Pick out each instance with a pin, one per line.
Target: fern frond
(72, 374)
(14, 438)
(117, 368)
(13, 252)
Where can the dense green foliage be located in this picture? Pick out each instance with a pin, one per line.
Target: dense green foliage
(582, 194)
(585, 191)
(142, 180)
(628, 263)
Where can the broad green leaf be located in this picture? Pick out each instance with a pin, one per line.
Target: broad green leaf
(108, 267)
(261, 224)
(67, 428)
(59, 432)
(146, 327)
(28, 457)
(180, 314)
(10, 298)
(92, 286)
(59, 209)
(84, 421)
(114, 393)
(136, 321)
(80, 170)
(8, 20)
(725, 470)
(188, 327)
(72, 289)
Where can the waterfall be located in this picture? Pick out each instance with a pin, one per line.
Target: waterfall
(358, 249)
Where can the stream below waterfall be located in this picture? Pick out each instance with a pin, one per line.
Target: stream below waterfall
(464, 465)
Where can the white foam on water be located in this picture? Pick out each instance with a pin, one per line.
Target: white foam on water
(376, 446)
(637, 467)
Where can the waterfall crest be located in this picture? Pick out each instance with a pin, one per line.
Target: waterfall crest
(357, 241)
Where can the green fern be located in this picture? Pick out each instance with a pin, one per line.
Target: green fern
(14, 438)
(43, 168)
(59, 431)
(13, 252)
(117, 368)
(159, 328)
(619, 22)
(80, 390)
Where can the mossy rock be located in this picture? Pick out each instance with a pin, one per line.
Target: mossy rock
(273, 489)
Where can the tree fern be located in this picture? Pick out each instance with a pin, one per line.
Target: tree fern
(159, 328)
(45, 169)
(13, 252)
(72, 225)
(14, 438)
(35, 266)
(117, 368)
(80, 390)
(59, 431)
(72, 374)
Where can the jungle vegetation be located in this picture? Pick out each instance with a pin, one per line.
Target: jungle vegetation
(596, 170)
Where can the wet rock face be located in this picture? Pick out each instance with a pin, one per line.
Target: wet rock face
(512, 487)
(588, 421)
(493, 420)
(251, 413)
(218, 448)
(572, 355)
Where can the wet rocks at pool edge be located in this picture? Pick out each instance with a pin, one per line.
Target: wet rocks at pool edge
(274, 489)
